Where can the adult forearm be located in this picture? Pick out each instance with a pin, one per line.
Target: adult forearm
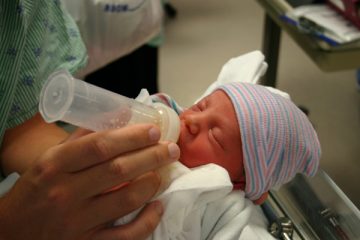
(23, 144)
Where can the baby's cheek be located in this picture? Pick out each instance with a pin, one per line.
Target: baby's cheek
(195, 151)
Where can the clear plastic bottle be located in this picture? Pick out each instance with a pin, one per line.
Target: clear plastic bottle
(64, 98)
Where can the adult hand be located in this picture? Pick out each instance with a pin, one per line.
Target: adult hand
(64, 195)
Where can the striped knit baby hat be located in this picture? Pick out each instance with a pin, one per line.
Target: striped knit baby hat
(278, 140)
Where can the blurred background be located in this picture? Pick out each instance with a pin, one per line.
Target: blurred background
(206, 34)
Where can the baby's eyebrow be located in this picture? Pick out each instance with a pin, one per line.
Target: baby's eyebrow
(206, 101)
(202, 104)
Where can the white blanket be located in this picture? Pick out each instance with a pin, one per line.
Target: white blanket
(200, 204)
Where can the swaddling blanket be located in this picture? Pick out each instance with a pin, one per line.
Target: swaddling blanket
(200, 204)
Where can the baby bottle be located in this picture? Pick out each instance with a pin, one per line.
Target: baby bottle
(64, 98)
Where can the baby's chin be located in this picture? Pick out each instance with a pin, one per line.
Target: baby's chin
(187, 162)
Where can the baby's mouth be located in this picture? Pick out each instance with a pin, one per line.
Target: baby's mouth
(185, 133)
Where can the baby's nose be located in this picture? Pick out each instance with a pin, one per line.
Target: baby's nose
(192, 124)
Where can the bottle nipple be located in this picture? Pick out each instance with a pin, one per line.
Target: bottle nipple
(170, 123)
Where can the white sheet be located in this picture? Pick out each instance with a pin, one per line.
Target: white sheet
(247, 68)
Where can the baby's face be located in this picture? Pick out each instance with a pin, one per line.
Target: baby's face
(210, 134)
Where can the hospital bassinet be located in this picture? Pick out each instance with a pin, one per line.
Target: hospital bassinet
(312, 208)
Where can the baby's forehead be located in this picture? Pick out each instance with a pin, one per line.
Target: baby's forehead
(218, 95)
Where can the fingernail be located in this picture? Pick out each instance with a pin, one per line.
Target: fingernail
(154, 134)
(159, 208)
(174, 151)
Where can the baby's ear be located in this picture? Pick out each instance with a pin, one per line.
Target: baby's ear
(262, 199)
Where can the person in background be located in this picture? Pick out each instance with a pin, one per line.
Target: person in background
(138, 69)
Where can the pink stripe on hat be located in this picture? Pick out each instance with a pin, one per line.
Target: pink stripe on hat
(278, 139)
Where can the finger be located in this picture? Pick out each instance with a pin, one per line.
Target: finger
(142, 227)
(99, 147)
(112, 205)
(79, 132)
(124, 168)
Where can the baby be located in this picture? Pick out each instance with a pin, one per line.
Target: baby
(261, 138)
(236, 144)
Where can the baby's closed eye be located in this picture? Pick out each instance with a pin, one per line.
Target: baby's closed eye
(215, 136)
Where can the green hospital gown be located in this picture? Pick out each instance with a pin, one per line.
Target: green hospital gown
(36, 38)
